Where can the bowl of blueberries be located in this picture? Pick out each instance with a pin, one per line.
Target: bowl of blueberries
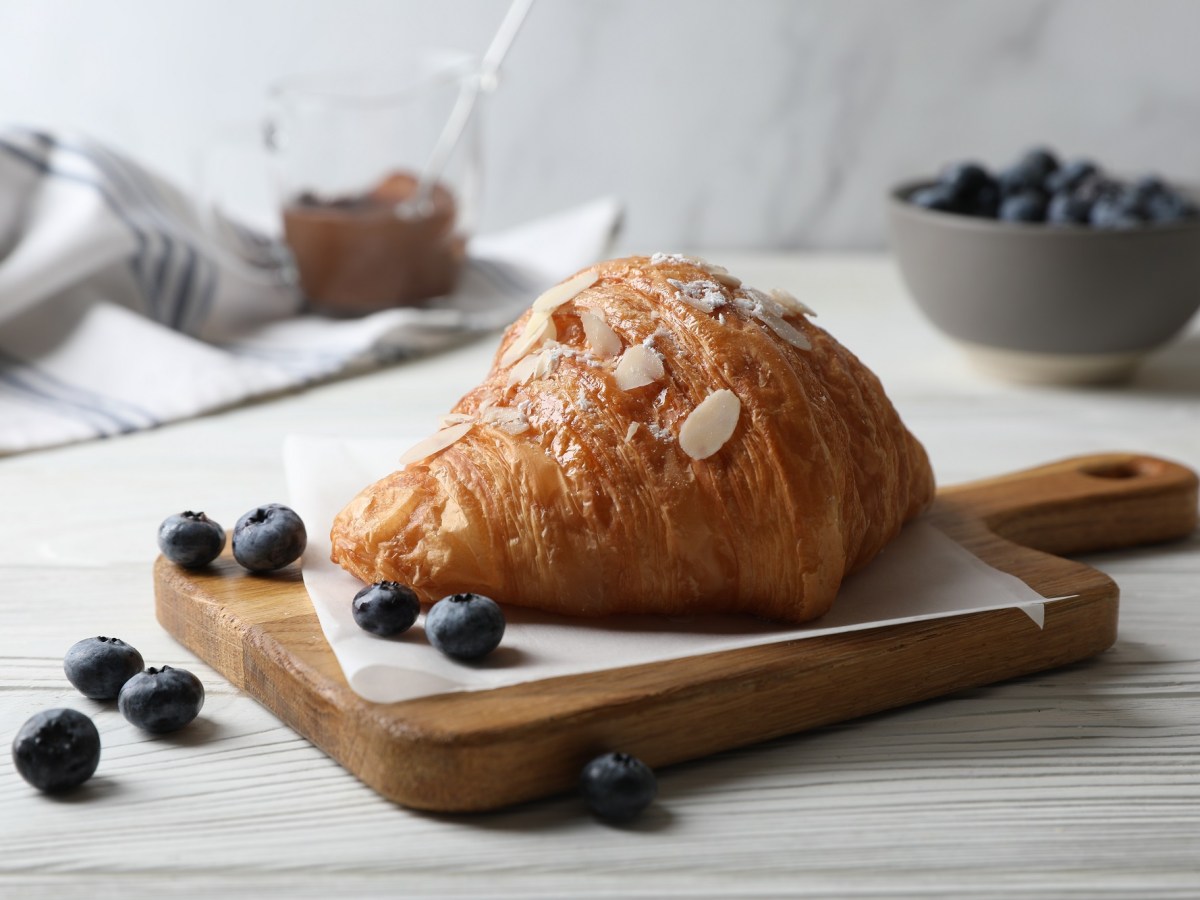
(1050, 271)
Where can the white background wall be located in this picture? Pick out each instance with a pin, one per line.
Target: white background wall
(757, 123)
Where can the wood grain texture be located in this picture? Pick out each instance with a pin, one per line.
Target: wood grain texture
(482, 750)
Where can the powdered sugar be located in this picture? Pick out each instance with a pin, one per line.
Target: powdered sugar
(705, 296)
(659, 259)
(658, 333)
(720, 273)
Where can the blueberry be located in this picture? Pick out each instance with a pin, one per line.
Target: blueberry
(1030, 172)
(1096, 187)
(1157, 201)
(1040, 160)
(465, 626)
(386, 608)
(57, 749)
(1134, 202)
(1116, 211)
(1027, 206)
(617, 786)
(1067, 209)
(1148, 186)
(190, 539)
(985, 202)
(965, 178)
(971, 189)
(161, 700)
(98, 666)
(268, 538)
(1018, 179)
(1069, 177)
(1170, 206)
(939, 197)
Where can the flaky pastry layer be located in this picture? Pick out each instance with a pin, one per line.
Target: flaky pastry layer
(562, 490)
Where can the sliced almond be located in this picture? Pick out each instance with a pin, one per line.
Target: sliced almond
(638, 366)
(721, 274)
(525, 369)
(566, 290)
(540, 327)
(631, 431)
(785, 330)
(435, 443)
(506, 419)
(602, 339)
(770, 310)
(536, 328)
(790, 302)
(547, 363)
(710, 424)
(535, 365)
(455, 419)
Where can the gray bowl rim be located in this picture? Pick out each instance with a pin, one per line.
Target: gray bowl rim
(899, 202)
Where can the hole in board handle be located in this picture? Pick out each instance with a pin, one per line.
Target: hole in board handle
(1119, 470)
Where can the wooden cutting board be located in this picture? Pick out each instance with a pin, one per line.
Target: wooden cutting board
(487, 749)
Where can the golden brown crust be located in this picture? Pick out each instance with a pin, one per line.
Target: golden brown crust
(577, 515)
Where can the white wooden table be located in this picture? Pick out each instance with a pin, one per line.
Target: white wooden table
(1082, 782)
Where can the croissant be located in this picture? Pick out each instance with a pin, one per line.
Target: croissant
(653, 437)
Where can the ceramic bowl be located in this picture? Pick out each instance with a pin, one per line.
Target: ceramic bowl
(1041, 303)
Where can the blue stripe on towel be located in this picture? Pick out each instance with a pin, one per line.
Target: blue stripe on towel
(151, 286)
(98, 421)
(139, 194)
(154, 282)
(207, 294)
(19, 394)
(43, 166)
(121, 412)
(196, 265)
(179, 306)
(13, 388)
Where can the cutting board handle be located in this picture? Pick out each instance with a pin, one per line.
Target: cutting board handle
(1085, 504)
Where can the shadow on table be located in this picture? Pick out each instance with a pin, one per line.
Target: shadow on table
(1070, 712)
(554, 814)
(202, 730)
(1041, 722)
(95, 789)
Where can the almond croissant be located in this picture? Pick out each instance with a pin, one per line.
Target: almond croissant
(653, 437)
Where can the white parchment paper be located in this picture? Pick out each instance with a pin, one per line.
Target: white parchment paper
(921, 575)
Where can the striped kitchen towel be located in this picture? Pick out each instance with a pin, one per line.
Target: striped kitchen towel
(123, 308)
